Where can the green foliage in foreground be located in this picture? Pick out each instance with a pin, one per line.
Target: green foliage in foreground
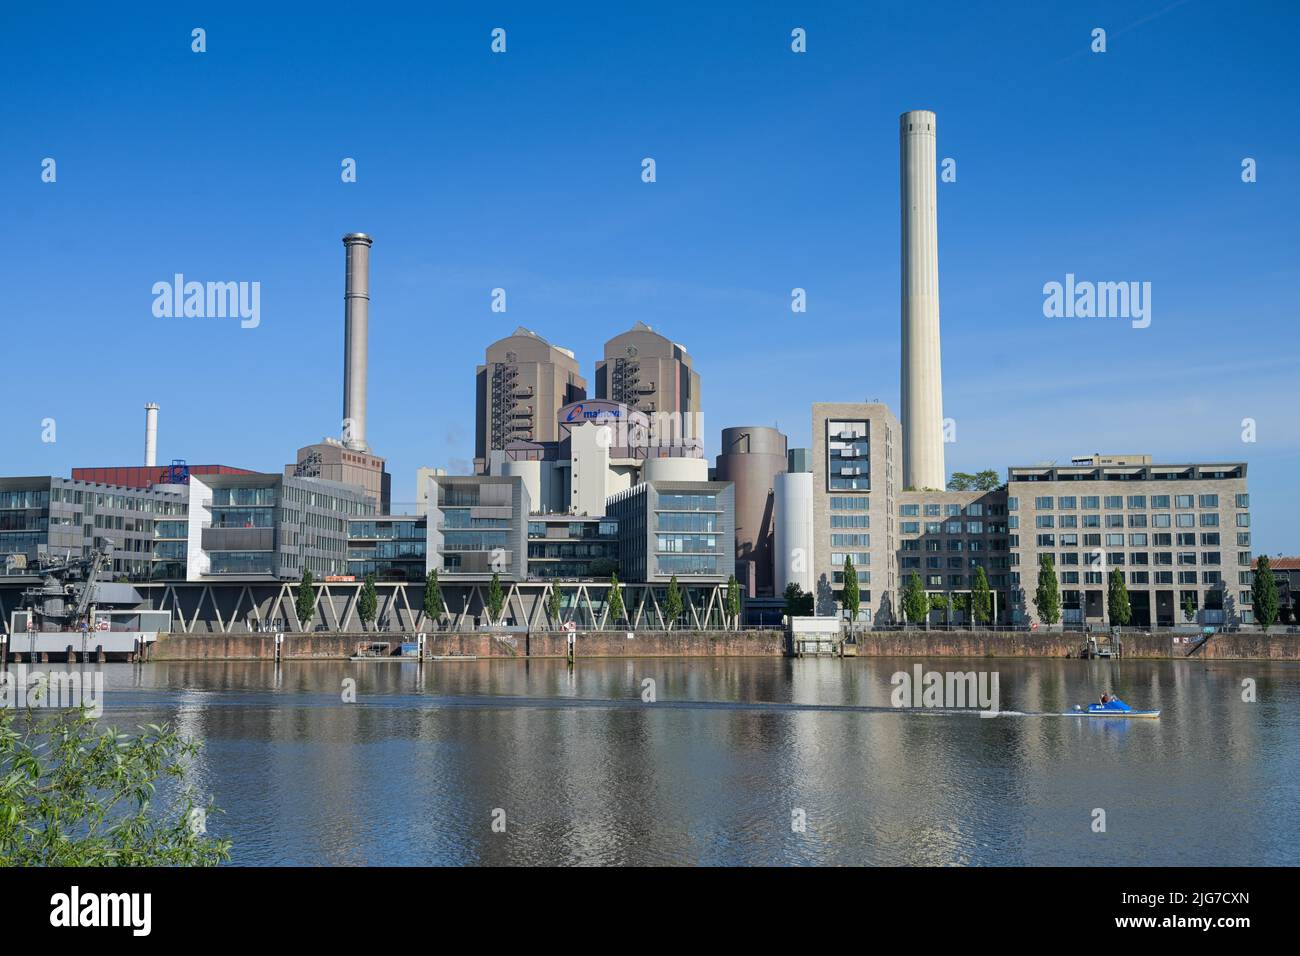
(75, 794)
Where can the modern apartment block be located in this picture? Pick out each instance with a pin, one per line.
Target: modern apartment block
(59, 517)
(856, 474)
(651, 374)
(945, 537)
(477, 527)
(519, 390)
(391, 547)
(1180, 535)
(269, 526)
(682, 528)
(572, 548)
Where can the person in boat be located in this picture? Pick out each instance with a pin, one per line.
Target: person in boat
(1106, 699)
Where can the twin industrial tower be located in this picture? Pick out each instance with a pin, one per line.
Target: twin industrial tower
(922, 383)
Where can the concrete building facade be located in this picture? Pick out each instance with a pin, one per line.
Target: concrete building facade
(1180, 534)
(856, 470)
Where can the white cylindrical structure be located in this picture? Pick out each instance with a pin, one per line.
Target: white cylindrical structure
(675, 469)
(531, 473)
(356, 333)
(922, 381)
(151, 434)
(792, 533)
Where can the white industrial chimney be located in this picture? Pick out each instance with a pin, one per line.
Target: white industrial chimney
(922, 380)
(151, 434)
(356, 322)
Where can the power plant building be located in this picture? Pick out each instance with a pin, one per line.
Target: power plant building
(519, 390)
(651, 374)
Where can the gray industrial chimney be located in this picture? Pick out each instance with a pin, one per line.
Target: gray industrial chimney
(922, 380)
(356, 322)
(151, 434)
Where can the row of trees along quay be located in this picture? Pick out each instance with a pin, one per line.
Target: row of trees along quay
(916, 603)
(368, 602)
(1047, 595)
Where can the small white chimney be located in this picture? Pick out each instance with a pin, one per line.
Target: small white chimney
(151, 434)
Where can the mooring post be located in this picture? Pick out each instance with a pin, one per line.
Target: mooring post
(279, 641)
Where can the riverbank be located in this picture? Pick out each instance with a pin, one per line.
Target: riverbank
(743, 643)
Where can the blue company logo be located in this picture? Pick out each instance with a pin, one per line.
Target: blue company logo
(580, 412)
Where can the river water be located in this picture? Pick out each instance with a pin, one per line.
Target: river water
(739, 761)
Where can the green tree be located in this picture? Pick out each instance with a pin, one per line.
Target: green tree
(733, 600)
(616, 609)
(939, 602)
(1117, 602)
(305, 601)
(1047, 598)
(1263, 593)
(851, 597)
(981, 599)
(986, 480)
(75, 794)
(1189, 608)
(433, 597)
(496, 599)
(554, 603)
(673, 602)
(367, 603)
(792, 594)
(916, 605)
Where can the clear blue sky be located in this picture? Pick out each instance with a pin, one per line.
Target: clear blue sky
(775, 170)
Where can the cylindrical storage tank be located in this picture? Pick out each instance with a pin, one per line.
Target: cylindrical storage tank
(751, 457)
(675, 469)
(793, 545)
(531, 473)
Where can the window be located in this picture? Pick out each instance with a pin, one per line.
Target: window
(1013, 504)
(1160, 521)
(1091, 501)
(1114, 501)
(1182, 501)
(1137, 501)
(1159, 501)
(1185, 520)
(906, 511)
(909, 527)
(1243, 520)
(856, 503)
(1068, 502)
(1209, 501)
(1243, 501)
(1114, 540)
(1209, 519)
(1042, 503)
(1137, 540)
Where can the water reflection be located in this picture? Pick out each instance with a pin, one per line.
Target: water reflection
(587, 773)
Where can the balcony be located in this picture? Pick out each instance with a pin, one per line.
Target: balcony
(238, 539)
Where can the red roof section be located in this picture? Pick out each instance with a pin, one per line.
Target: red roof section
(1282, 564)
(144, 476)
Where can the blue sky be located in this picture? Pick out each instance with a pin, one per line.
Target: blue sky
(775, 170)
